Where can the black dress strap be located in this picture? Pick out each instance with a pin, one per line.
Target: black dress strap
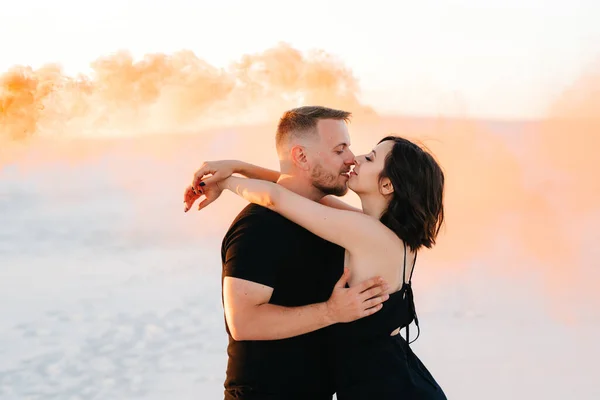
(412, 362)
(408, 294)
(413, 269)
(404, 267)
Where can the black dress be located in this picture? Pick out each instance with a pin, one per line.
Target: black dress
(371, 364)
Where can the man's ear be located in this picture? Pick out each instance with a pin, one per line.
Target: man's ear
(299, 157)
(386, 187)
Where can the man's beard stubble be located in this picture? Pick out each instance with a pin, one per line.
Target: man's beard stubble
(328, 183)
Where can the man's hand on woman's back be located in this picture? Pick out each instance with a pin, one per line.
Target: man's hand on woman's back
(362, 300)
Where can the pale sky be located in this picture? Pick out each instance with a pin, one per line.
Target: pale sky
(506, 59)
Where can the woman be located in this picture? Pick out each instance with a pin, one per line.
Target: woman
(401, 190)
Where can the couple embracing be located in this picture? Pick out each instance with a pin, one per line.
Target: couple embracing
(315, 291)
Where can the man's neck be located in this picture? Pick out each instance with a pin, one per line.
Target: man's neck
(300, 186)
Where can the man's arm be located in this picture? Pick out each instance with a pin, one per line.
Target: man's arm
(250, 316)
(252, 253)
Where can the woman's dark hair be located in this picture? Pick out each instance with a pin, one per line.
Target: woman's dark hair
(416, 210)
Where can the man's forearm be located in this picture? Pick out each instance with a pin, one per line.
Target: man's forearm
(256, 172)
(273, 322)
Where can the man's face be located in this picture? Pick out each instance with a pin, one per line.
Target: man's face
(332, 158)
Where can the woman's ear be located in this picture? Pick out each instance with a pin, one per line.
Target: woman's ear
(386, 187)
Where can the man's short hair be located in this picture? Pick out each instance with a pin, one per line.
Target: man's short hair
(302, 121)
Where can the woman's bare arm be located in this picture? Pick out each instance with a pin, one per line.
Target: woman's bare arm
(335, 202)
(216, 171)
(348, 229)
(256, 172)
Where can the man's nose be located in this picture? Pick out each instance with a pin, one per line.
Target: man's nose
(351, 160)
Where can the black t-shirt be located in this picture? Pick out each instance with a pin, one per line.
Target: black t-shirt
(264, 247)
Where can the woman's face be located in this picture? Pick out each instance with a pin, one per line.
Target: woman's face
(364, 179)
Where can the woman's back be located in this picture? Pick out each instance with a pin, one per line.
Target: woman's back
(377, 255)
(370, 363)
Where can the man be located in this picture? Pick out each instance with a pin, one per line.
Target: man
(282, 284)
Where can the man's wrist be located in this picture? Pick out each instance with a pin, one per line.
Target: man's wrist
(327, 313)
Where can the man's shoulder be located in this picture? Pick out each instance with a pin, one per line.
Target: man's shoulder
(258, 227)
(256, 219)
(256, 214)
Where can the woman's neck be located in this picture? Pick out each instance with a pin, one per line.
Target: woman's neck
(374, 205)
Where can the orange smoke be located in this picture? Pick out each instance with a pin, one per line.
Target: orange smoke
(570, 142)
(163, 93)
